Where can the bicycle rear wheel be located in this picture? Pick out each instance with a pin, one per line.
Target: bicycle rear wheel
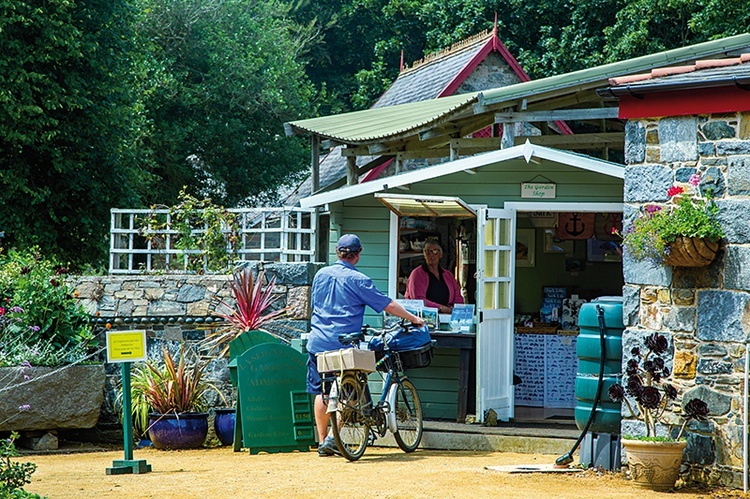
(408, 417)
(349, 428)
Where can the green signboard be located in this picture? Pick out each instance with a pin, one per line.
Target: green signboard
(276, 412)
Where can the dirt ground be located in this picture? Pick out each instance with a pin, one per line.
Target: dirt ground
(381, 472)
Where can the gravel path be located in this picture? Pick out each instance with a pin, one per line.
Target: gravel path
(382, 472)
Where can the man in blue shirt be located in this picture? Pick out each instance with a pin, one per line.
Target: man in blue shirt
(340, 294)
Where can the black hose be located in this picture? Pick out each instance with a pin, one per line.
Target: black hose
(566, 459)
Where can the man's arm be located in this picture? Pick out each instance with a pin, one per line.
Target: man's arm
(394, 308)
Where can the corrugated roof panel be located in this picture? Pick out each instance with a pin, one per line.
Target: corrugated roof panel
(381, 123)
(630, 66)
(374, 124)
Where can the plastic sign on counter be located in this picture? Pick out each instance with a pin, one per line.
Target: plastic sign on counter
(126, 346)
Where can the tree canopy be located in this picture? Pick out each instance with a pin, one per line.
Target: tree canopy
(122, 103)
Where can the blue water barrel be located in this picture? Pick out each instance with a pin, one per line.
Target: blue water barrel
(607, 418)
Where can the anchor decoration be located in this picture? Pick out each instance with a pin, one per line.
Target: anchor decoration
(608, 227)
(575, 225)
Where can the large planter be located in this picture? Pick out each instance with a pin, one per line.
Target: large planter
(224, 420)
(654, 465)
(178, 431)
(50, 398)
(691, 252)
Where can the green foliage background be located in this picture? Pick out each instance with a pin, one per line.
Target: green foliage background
(121, 103)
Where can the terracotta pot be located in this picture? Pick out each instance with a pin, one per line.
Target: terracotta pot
(691, 252)
(654, 465)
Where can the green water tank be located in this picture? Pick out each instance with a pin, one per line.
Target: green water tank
(608, 415)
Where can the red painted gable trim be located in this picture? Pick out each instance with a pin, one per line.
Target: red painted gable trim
(685, 102)
(375, 172)
(496, 45)
(493, 44)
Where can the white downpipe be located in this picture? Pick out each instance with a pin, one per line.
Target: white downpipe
(744, 420)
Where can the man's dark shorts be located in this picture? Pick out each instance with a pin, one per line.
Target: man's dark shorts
(313, 376)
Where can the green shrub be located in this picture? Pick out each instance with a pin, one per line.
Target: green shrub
(40, 320)
(13, 475)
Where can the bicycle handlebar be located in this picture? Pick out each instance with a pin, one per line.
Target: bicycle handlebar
(350, 338)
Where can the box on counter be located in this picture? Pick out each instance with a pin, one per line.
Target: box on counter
(346, 359)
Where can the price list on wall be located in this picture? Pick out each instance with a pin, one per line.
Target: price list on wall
(547, 365)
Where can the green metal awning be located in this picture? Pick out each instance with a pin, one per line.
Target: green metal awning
(371, 125)
(378, 123)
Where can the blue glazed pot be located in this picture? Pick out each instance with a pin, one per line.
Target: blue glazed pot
(183, 431)
(224, 425)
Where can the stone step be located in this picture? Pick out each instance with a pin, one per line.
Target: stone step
(525, 438)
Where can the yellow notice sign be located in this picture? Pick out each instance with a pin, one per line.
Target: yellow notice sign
(126, 346)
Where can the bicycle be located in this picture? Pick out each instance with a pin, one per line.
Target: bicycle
(355, 420)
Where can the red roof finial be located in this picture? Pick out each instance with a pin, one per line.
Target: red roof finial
(401, 66)
(494, 29)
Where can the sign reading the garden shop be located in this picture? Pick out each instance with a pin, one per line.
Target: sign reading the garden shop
(126, 346)
(538, 190)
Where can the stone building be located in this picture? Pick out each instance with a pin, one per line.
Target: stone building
(694, 119)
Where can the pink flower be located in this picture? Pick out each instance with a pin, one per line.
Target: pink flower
(674, 190)
(2, 311)
(695, 179)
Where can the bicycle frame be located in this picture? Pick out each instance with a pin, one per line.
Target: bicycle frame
(390, 376)
(398, 409)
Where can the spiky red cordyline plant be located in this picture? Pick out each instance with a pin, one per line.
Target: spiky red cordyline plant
(247, 315)
(176, 388)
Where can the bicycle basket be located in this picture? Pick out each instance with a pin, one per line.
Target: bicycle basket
(409, 359)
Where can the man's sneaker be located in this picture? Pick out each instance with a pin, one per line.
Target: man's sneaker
(327, 448)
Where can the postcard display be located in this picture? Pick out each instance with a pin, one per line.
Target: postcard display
(547, 365)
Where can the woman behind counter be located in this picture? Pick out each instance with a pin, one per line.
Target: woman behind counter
(432, 283)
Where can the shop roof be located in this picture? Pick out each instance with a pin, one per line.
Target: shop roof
(526, 152)
(373, 125)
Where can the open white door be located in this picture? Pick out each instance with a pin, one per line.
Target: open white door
(496, 252)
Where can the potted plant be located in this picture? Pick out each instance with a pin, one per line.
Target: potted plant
(176, 395)
(685, 234)
(251, 300)
(243, 320)
(654, 460)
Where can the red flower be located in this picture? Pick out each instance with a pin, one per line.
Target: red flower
(674, 190)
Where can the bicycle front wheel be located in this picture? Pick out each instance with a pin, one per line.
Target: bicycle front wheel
(408, 417)
(349, 428)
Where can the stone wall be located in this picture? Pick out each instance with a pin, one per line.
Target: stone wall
(177, 308)
(704, 311)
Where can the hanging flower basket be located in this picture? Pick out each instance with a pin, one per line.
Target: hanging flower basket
(691, 252)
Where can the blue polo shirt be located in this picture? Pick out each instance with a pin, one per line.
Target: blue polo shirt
(340, 293)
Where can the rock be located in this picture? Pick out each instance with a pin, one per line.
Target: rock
(51, 397)
(491, 418)
(46, 442)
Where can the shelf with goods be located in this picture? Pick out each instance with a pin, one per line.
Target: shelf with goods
(411, 243)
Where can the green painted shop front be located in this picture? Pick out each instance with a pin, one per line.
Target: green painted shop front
(579, 187)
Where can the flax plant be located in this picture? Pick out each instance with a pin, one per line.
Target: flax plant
(252, 299)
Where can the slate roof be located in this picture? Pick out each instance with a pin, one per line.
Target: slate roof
(427, 78)
(425, 81)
